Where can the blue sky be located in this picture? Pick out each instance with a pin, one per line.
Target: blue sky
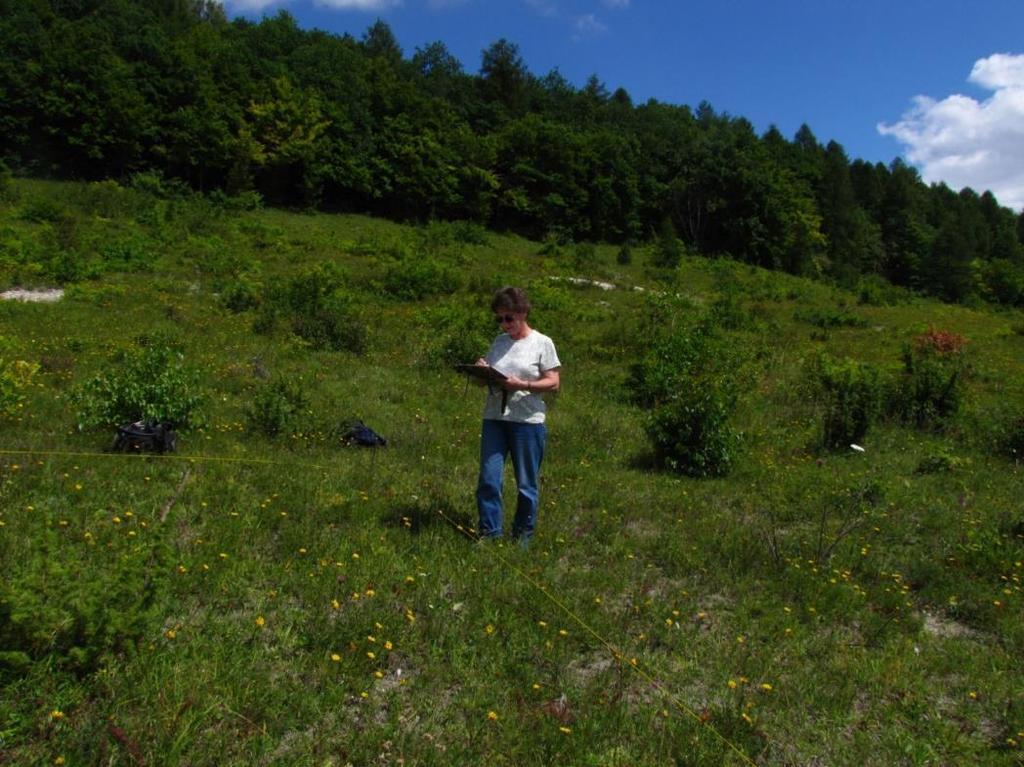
(937, 82)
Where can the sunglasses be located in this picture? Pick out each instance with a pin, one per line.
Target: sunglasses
(503, 318)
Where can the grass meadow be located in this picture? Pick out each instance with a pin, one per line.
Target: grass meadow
(267, 595)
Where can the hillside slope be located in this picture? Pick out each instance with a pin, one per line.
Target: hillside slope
(266, 595)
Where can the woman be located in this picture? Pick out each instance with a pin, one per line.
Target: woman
(513, 422)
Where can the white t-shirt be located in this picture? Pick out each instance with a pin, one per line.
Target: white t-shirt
(528, 358)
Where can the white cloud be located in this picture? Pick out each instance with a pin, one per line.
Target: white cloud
(359, 5)
(586, 27)
(250, 5)
(616, 3)
(341, 5)
(966, 142)
(543, 7)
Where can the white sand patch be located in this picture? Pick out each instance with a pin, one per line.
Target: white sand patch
(44, 295)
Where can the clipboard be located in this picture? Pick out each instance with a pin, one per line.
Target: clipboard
(488, 375)
(485, 373)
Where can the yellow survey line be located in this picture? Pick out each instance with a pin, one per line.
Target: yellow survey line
(616, 653)
(611, 648)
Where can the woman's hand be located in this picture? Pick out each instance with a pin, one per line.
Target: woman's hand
(515, 384)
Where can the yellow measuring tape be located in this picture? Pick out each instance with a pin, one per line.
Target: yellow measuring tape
(615, 652)
(611, 648)
(164, 457)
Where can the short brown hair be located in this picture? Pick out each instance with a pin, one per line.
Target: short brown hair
(512, 300)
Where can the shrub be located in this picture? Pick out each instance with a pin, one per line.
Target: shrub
(127, 256)
(151, 382)
(462, 334)
(42, 210)
(939, 462)
(277, 408)
(241, 293)
(851, 394)
(413, 278)
(830, 318)
(728, 311)
(469, 233)
(691, 434)
(931, 388)
(668, 248)
(439, 236)
(675, 356)
(152, 182)
(48, 610)
(688, 381)
(333, 326)
(15, 377)
(1011, 442)
(316, 309)
(242, 201)
(873, 290)
(584, 256)
(551, 246)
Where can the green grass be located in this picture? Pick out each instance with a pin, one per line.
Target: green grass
(220, 606)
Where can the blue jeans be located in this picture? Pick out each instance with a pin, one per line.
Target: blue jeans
(525, 442)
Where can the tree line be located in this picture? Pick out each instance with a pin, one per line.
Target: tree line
(97, 89)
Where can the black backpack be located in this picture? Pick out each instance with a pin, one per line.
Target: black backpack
(359, 434)
(145, 437)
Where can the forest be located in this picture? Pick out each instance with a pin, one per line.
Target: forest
(305, 119)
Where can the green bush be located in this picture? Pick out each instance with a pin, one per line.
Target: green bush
(930, 391)
(413, 278)
(241, 294)
(15, 377)
(584, 256)
(691, 433)
(851, 394)
(469, 233)
(462, 334)
(668, 248)
(42, 210)
(873, 290)
(1011, 442)
(152, 182)
(316, 308)
(830, 318)
(333, 326)
(939, 462)
(444, 236)
(130, 255)
(277, 408)
(674, 358)
(151, 382)
(688, 381)
(49, 611)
